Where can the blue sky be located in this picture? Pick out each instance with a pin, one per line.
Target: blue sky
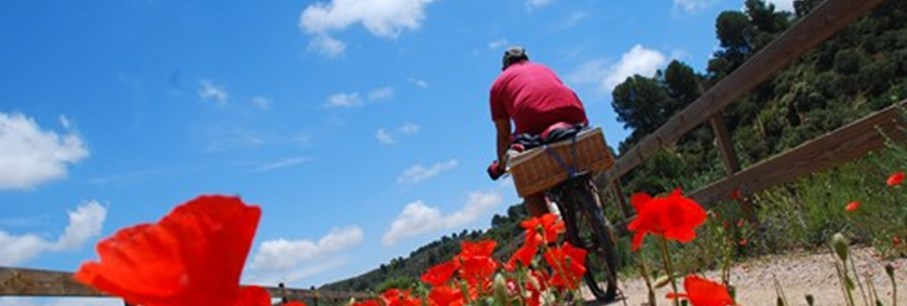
(361, 127)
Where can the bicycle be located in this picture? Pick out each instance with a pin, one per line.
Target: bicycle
(577, 200)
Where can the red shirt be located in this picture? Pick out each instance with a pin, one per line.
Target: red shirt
(534, 98)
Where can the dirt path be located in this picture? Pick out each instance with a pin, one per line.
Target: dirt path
(799, 274)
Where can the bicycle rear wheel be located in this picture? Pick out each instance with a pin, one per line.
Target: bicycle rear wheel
(588, 228)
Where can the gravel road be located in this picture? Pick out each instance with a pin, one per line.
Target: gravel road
(799, 273)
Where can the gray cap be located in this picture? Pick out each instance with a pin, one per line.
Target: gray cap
(514, 55)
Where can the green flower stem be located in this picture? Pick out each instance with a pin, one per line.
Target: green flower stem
(668, 269)
(856, 276)
(842, 275)
(645, 277)
(889, 269)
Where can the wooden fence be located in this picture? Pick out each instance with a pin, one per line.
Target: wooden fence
(44, 283)
(821, 23)
(841, 145)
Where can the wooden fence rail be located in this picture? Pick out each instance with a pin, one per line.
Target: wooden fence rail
(820, 24)
(842, 145)
(45, 283)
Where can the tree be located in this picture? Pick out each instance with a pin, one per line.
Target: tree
(803, 7)
(639, 103)
(682, 85)
(735, 35)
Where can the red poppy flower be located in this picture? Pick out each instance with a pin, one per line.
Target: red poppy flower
(476, 264)
(536, 283)
(674, 217)
(445, 296)
(254, 296)
(740, 223)
(736, 195)
(192, 256)
(295, 303)
(524, 255)
(896, 241)
(548, 225)
(743, 242)
(896, 179)
(368, 303)
(397, 297)
(852, 206)
(440, 274)
(702, 292)
(569, 265)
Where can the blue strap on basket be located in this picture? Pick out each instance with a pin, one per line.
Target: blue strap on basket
(572, 171)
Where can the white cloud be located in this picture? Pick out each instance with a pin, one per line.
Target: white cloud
(283, 255)
(32, 156)
(538, 3)
(638, 60)
(419, 83)
(419, 173)
(68, 301)
(783, 5)
(418, 218)
(327, 46)
(283, 163)
(352, 99)
(17, 249)
(260, 102)
(693, 5)
(211, 91)
(344, 100)
(409, 128)
(65, 122)
(590, 72)
(383, 18)
(381, 93)
(497, 44)
(85, 223)
(384, 137)
(478, 204)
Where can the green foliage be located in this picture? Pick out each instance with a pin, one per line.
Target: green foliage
(859, 70)
(399, 282)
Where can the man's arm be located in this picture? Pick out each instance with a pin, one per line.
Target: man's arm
(504, 135)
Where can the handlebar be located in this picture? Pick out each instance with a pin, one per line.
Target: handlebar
(496, 170)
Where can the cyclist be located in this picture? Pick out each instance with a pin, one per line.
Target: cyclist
(534, 98)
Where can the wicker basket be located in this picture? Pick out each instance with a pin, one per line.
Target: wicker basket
(536, 170)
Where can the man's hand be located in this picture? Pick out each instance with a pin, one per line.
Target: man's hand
(496, 170)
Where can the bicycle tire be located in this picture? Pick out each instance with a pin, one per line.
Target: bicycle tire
(591, 231)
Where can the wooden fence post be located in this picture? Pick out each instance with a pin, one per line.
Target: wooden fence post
(731, 164)
(314, 296)
(621, 200)
(283, 293)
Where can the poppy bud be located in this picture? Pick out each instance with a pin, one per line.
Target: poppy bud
(810, 300)
(841, 245)
(500, 290)
(889, 269)
(662, 281)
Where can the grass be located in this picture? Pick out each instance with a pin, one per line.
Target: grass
(802, 215)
